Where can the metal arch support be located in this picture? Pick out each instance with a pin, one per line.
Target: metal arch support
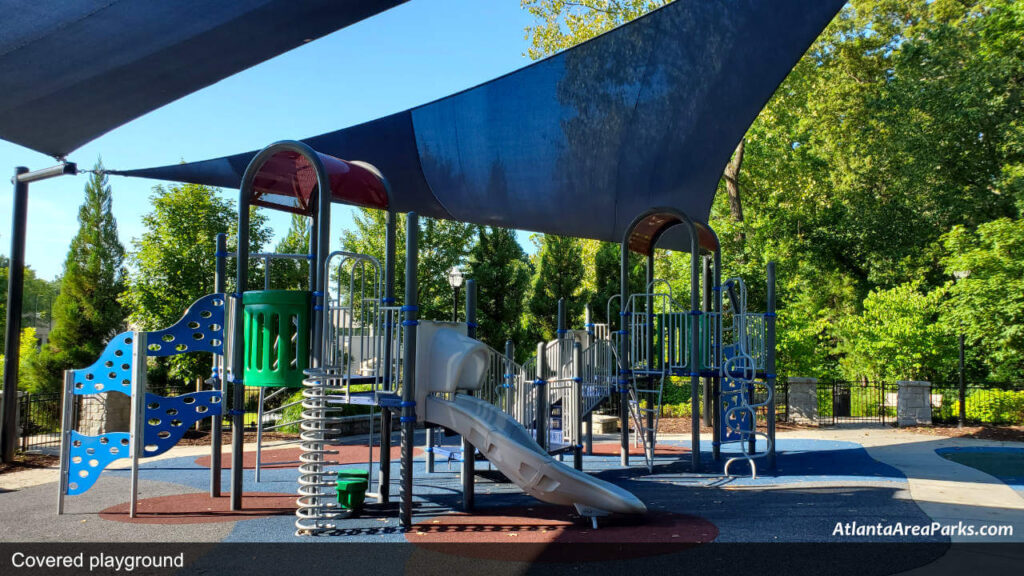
(698, 232)
(322, 226)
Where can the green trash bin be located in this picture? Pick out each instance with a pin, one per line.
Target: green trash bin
(277, 334)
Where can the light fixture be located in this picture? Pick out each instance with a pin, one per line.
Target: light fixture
(455, 277)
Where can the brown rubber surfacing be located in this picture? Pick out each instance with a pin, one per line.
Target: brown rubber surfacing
(289, 457)
(541, 532)
(612, 449)
(200, 508)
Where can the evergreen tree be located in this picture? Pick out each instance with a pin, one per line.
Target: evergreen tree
(292, 274)
(173, 262)
(558, 274)
(87, 312)
(608, 272)
(442, 244)
(502, 272)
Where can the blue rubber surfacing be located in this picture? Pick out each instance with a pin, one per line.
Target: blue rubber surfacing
(848, 486)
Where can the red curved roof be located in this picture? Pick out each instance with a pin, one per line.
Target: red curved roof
(287, 180)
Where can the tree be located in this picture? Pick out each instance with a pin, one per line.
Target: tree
(607, 269)
(28, 356)
(292, 274)
(987, 301)
(562, 24)
(37, 302)
(897, 337)
(900, 123)
(87, 312)
(558, 274)
(442, 245)
(502, 272)
(173, 262)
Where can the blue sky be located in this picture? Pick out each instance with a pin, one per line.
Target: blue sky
(417, 52)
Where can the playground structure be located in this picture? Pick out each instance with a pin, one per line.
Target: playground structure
(346, 341)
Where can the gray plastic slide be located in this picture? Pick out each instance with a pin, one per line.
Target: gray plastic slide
(514, 452)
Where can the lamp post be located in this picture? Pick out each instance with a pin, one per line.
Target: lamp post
(962, 413)
(455, 281)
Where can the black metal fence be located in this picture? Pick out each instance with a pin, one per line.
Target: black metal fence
(995, 403)
(39, 420)
(39, 415)
(856, 402)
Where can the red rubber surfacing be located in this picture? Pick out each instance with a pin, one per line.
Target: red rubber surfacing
(199, 508)
(612, 449)
(289, 457)
(541, 532)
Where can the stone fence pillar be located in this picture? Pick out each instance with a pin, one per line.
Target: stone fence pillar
(104, 413)
(913, 403)
(803, 400)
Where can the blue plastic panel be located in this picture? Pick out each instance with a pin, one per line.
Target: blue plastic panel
(740, 419)
(111, 373)
(167, 419)
(735, 380)
(89, 455)
(201, 329)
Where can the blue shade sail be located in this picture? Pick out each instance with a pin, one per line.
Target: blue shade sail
(646, 115)
(73, 70)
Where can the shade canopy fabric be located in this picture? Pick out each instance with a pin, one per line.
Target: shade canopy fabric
(581, 143)
(287, 180)
(73, 70)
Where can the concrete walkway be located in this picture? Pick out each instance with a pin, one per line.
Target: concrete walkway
(946, 491)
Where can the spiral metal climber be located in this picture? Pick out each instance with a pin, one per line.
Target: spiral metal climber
(317, 506)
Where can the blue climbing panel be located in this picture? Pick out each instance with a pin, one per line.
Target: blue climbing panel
(736, 390)
(89, 455)
(201, 329)
(167, 419)
(111, 373)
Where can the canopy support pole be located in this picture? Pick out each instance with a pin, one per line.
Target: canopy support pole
(15, 295)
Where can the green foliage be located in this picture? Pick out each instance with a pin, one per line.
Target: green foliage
(174, 260)
(292, 274)
(502, 272)
(86, 313)
(28, 354)
(561, 24)
(900, 123)
(608, 272)
(896, 337)
(37, 301)
(988, 304)
(1000, 407)
(442, 245)
(558, 274)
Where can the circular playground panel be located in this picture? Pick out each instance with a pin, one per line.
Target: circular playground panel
(200, 508)
(487, 533)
